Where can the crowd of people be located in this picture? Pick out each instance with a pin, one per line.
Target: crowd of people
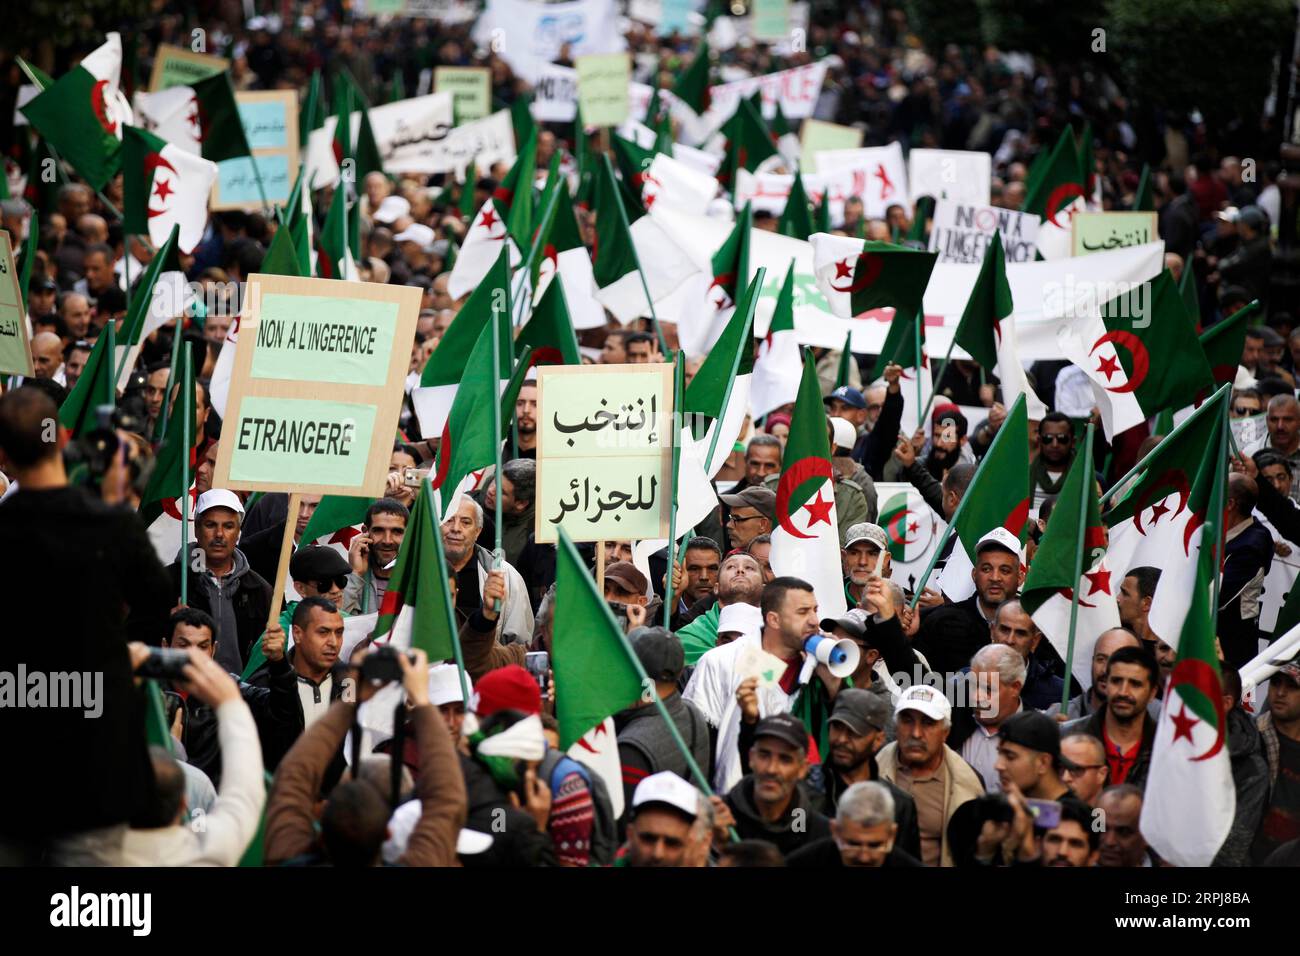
(281, 727)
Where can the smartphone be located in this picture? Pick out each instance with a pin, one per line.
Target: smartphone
(538, 663)
(414, 477)
(172, 703)
(164, 664)
(1047, 813)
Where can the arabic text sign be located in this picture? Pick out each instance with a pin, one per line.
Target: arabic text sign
(176, 66)
(317, 385)
(15, 352)
(1101, 231)
(960, 232)
(471, 89)
(604, 452)
(602, 88)
(270, 121)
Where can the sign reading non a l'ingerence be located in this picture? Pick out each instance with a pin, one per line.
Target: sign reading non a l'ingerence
(319, 339)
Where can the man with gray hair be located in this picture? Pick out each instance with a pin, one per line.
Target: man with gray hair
(1283, 424)
(994, 684)
(478, 584)
(863, 833)
(518, 494)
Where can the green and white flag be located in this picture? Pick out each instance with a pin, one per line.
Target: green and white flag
(777, 367)
(720, 389)
(416, 611)
(164, 186)
(202, 118)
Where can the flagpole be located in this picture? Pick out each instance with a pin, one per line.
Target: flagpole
(1085, 492)
(498, 556)
(934, 385)
(261, 191)
(452, 629)
(920, 370)
(1141, 465)
(527, 266)
(161, 428)
(1220, 493)
(731, 380)
(961, 506)
(672, 508)
(186, 397)
(645, 287)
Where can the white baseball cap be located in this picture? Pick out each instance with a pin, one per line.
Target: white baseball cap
(444, 685)
(846, 436)
(928, 700)
(392, 209)
(999, 538)
(745, 618)
(218, 498)
(667, 787)
(418, 233)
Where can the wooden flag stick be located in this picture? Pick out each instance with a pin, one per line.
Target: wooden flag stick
(286, 552)
(600, 567)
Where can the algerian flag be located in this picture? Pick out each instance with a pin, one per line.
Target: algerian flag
(1055, 192)
(334, 242)
(174, 462)
(912, 529)
(720, 389)
(857, 276)
(1157, 521)
(749, 143)
(905, 346)
(613, 254)
(796, 218)
(82, 114)
(432, 398)
(987, 330)
(416, 611)
(481, 248)
(673, 184)
(806, 541)
(164, 186)
(95, 387)
(595, 673)
(997, 497)
(201, 118)
(562, 253)
(701, 324)
(1140, 353)
(161, 296)
(777, 367)
(692, 87)
(550, 331)
(1050, 583)
(1190, 798)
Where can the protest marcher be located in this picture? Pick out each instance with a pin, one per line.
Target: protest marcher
(770, 802)
(1279, 726)
(470, 564)
(1125, 728)
(740, 581)
(669, 824)
(371, 554)
(752, 512)
(1094, 698)
(697, 581)
(863, 833)
(1014, 627)
(1074, 841)
(1136, 592)
(1250, 777)
(1122, 843)
(1055, 452)
(1083, 766)
(1248, 555)
(519, 484)
(997, 677)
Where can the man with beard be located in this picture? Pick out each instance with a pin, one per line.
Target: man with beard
(1055, 451)
(857, 731)
(519, 493)
(1124, 727)
(372, 553)
(951, 634)
(740, 581)
(469, 564)
(1094, 699)
(1073, 841)
(864, 545)
(770, 803)
(947, 440)
(669, 824)
(263, 549)
(697, 581)
(525, 424)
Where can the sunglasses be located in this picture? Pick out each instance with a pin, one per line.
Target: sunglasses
(740, 519)
(1244, 410)
(328, 584)
(1055, 439)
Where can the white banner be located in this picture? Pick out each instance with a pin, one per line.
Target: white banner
(961, 232)
(555, 95)
(769, 191)
(797, 91)
(530, 35)
(957, 174)
(422, 139)
(879, 176)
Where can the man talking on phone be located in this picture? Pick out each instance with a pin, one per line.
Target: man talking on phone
(372, 553)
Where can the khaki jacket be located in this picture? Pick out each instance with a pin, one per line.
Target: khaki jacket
(963, 785)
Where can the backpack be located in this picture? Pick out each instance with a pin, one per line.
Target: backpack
(555, 766)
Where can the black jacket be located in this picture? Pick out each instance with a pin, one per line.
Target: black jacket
(1246, 556)
(1282, 513)
(799, 827)
(646, 746)
(251, 603)
(824, 853)
(951, 634)
(1094, 725)
(282, 709)
(516, 841)
(81, 580)
(873, 449)
(825, 788)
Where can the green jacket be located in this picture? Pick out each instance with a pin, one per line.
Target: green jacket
(700, 635)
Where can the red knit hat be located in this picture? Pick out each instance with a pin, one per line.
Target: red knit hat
(507, 688)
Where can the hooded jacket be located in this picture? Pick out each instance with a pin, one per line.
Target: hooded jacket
(1250, 777)
(242, 599)
(798, 826)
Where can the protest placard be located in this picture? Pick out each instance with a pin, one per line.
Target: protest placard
(602, 88)
(15, 351)
(796, 89)
(176, 66)
(818, 136)
(881, 175)
(1101, 231)
(961, 231)
(770, 19)
(604, 451)
(958, 174)
(470, 87)
(270, 120)
(316, 386)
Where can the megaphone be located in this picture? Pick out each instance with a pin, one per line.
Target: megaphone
(841, 656)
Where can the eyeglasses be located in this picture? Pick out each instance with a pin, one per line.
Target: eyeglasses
(740, 519)
(1080, 768)
(1244, 410)
(328, 584)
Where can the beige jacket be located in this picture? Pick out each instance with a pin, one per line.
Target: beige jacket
(963, 785)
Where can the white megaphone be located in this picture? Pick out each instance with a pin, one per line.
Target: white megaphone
(841, 656)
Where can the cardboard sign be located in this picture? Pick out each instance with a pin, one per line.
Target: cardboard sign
(317, 385)
(270, 121)
(470, 87)
(15, 349)
(1102, 231)
(604, 451)
(602, 88)
(818, 136)
(960, 232)
(771, 19)
(176, 66)
(958, 174)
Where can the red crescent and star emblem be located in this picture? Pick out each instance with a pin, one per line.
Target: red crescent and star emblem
(162, 188)
(100, 106)
(720, 282)
(794, 476)
(871, 265)
(1191, 672)
(1170, 481)
(1108, 366)
(1060, 197)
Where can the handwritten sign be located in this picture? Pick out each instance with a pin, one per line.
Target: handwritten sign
(317, 385)
(602, 88)
(604, 453)
(470, 87)
(960, 232)
(15, 351)
(176, 66)
(818, 136)
(1101, 231)
(270, 120)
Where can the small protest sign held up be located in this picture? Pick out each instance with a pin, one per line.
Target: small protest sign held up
(604, 451)
(15, 349)
(1101, 231)
(603, 81)
(961, 231)
(177, 66)
(317, 386)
